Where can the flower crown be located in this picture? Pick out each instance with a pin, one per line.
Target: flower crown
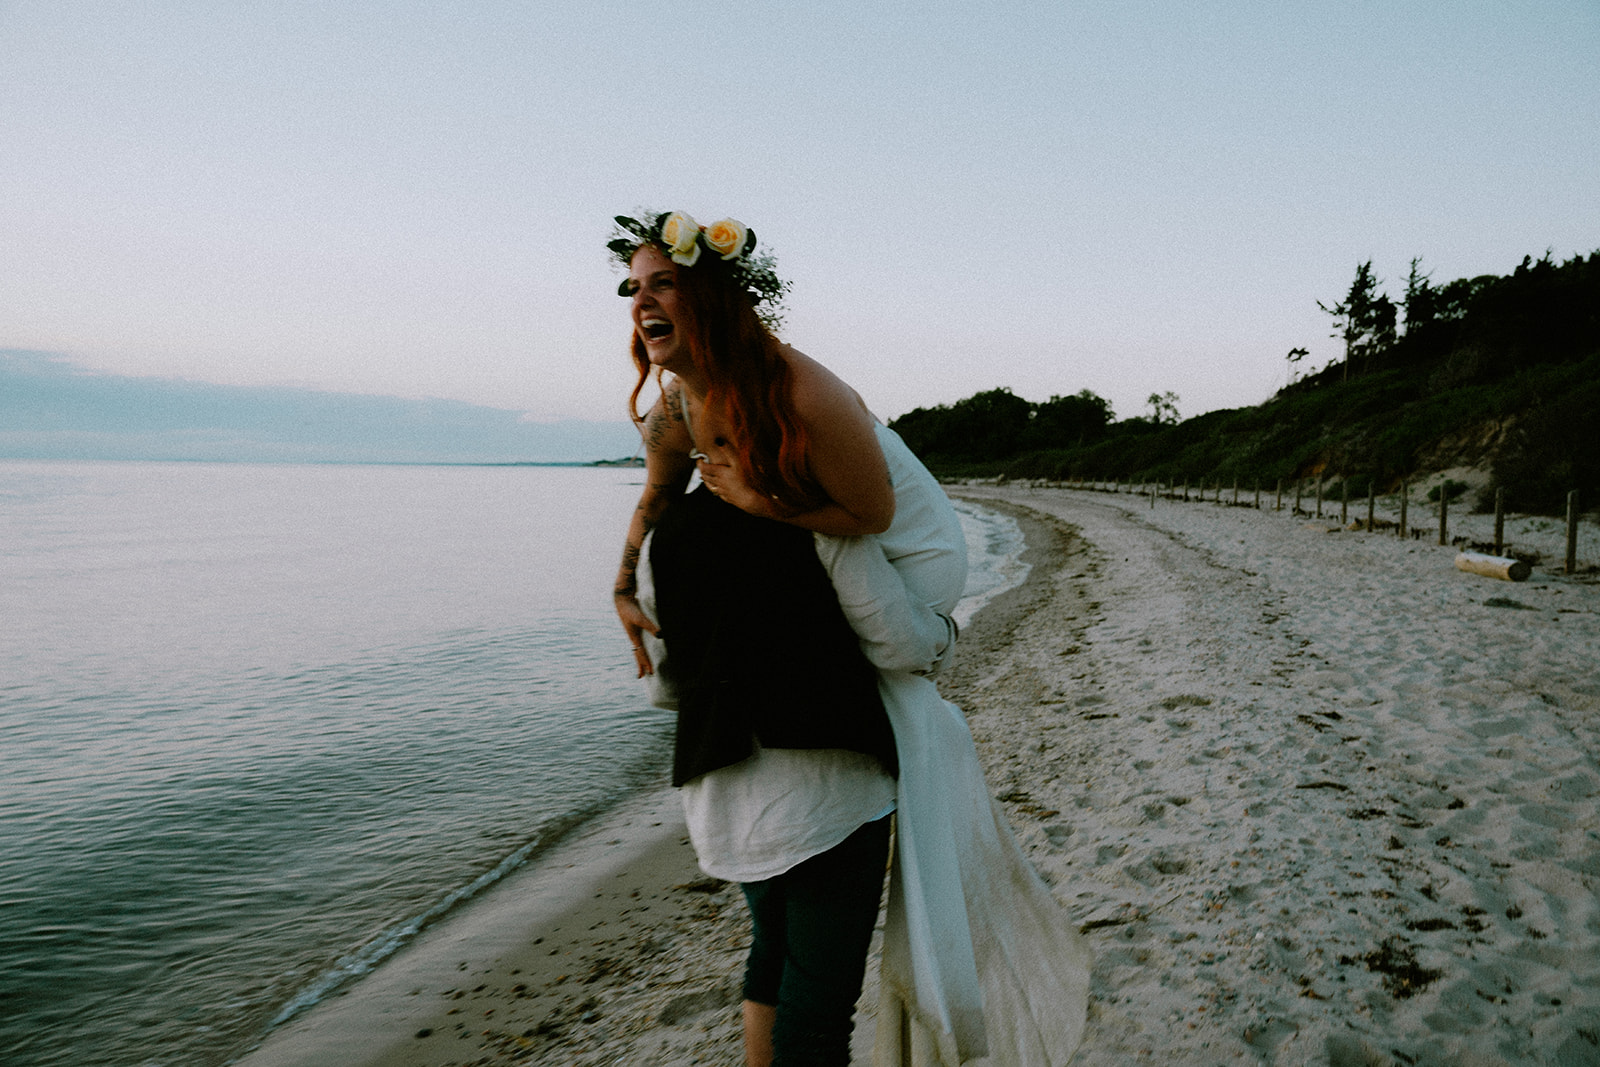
(731, 244)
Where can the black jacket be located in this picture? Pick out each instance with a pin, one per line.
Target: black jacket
(757, 646)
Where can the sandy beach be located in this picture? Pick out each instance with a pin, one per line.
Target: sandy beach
(1315, 795)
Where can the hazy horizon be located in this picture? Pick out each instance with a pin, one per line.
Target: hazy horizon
(52, 408)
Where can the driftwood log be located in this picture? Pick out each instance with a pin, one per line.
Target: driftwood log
(1506, 569)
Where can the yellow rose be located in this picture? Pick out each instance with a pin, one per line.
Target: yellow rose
(726, 238)
(681, 235)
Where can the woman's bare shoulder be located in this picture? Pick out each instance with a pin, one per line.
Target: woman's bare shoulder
(843, 451)
(820, 393)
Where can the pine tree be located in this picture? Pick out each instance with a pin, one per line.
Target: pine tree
(1357, 318)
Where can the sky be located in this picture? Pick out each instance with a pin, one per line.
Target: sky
(411, 199)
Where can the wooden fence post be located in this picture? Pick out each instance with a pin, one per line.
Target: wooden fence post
(1258, 494)
(1372, 501)
(1405, 498)
(1344, 502)
(1500, 521)
(1298, 482)
(1235, 490)
(1444, 512)
(1319, 496)
(1572, 532)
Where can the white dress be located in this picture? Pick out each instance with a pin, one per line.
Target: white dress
(981, 964)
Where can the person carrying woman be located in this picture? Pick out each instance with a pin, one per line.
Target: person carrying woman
(796, 606)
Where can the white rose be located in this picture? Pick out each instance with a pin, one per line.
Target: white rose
(681, 235)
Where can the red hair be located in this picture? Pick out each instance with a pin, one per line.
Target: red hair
(750, 390)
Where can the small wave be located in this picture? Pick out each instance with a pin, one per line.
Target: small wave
(368, 957)
(994, 553)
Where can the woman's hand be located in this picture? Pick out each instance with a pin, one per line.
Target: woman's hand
(635, 623)
(726, 482)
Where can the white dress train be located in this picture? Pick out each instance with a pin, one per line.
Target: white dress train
(981, 964)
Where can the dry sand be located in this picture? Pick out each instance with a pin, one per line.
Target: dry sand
(1316, 796)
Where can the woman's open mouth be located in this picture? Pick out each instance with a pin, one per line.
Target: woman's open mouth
(655, 329)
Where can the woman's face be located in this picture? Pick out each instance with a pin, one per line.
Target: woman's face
(653, 281)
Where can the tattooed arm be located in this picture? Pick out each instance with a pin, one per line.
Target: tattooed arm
(667, 469)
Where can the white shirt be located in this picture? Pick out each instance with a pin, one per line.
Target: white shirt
(759, 818)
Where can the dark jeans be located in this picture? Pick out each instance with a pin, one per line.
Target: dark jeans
(811, 928)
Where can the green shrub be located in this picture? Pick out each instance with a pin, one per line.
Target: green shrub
(1554, 450)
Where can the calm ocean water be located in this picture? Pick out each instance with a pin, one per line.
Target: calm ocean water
(259, 724)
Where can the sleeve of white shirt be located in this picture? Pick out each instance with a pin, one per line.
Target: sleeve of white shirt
(662, 694)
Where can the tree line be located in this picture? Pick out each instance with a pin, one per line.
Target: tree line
(1471, 328)
(1519, 354)
(997, 424)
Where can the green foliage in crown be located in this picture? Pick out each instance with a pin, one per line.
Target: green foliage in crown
(728, 246)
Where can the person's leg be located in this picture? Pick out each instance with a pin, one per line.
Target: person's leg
(830, 909)
(763, 969)
(758, 1020)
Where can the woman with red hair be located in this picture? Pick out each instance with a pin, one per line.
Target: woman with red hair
(793, 608)
(783, 753)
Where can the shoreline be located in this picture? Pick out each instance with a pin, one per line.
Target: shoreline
(1316, 797)
(648, 952)
(540, 939)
